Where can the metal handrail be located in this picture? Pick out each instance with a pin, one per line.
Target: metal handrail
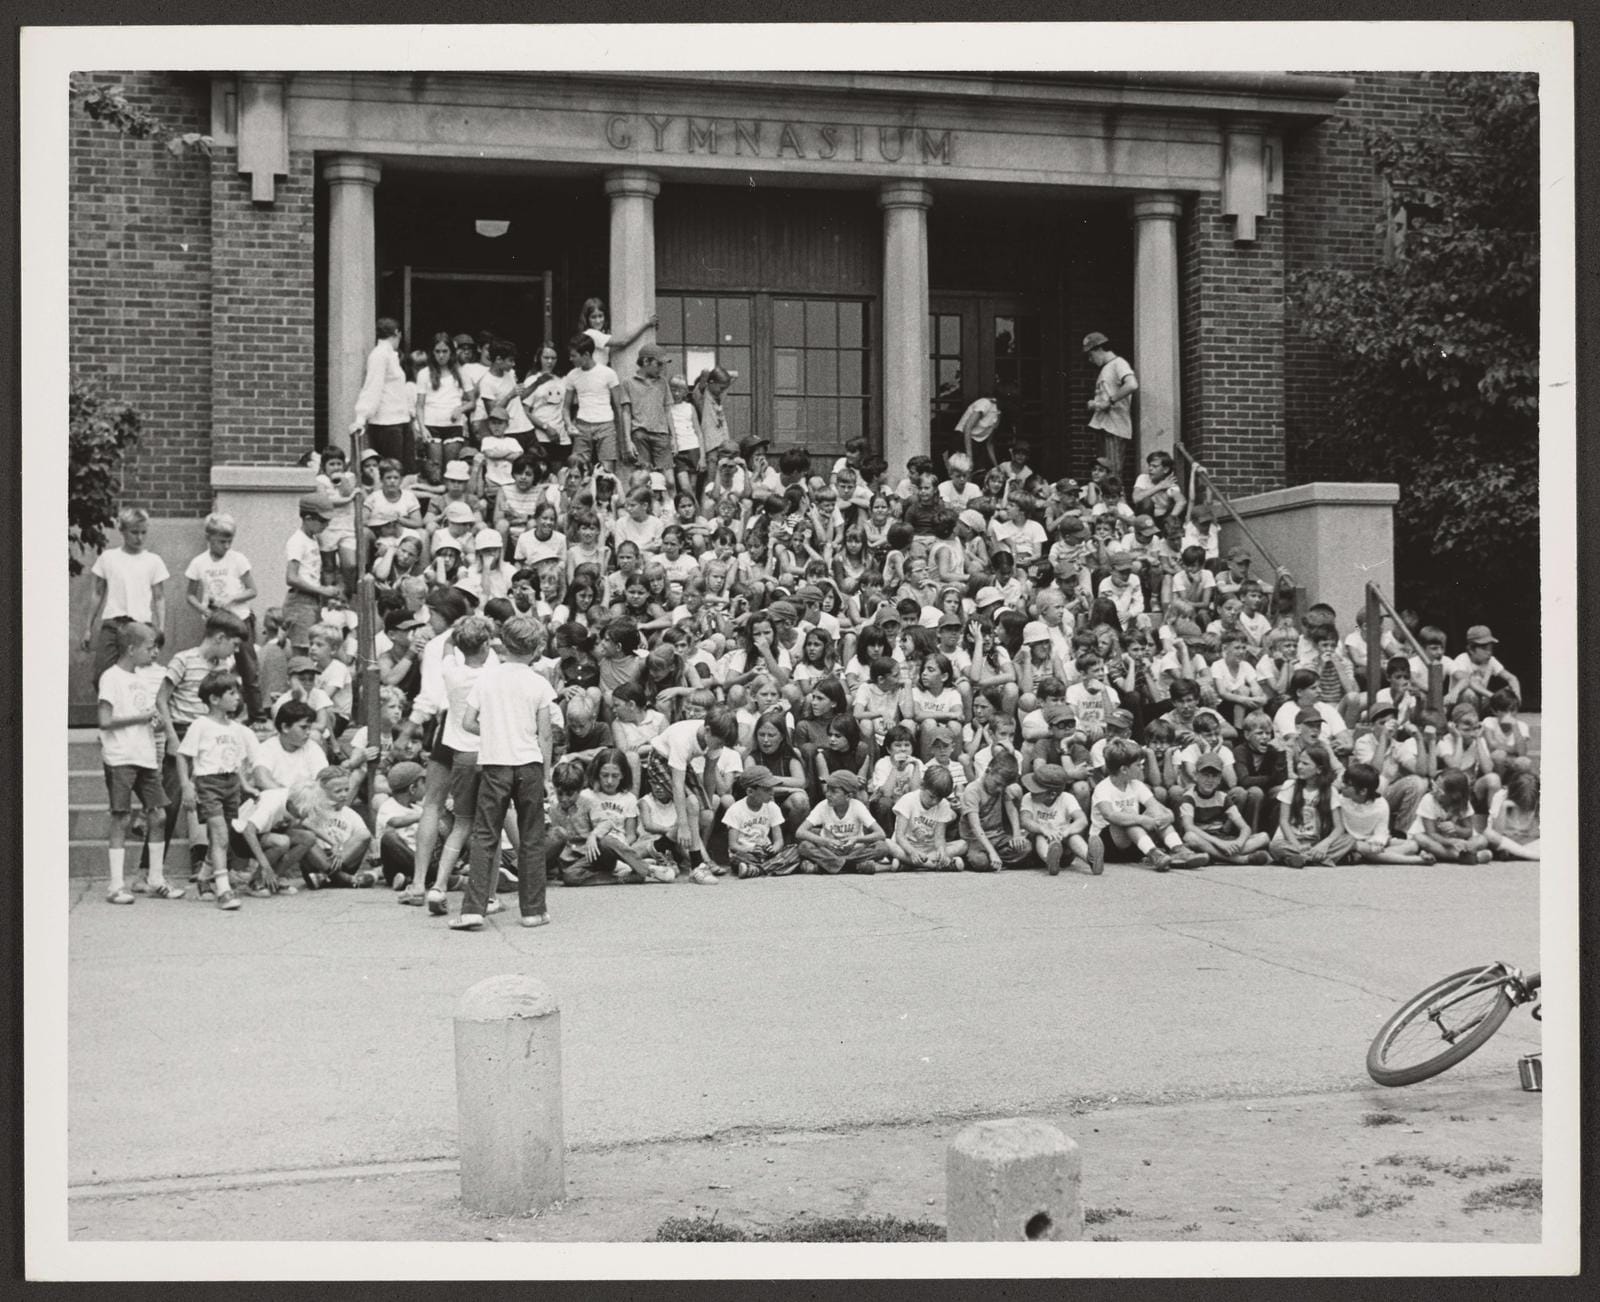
(1222, 497)
(1378, 606)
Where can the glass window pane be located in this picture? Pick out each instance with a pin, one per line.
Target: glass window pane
(852, 420)
(1005, 336)
(736, 359)
(786, 417)
(822, 371)
(1005, 369)
(852, 325)
(822, 324)
(788, 323)
(786, 370)
(737, 410)
(733, 320)
(674, 361)
(669, 310)
(822, 420)
(850, 377)
(950, 336)
(1027, 328)
(948, 381)
(699, 322)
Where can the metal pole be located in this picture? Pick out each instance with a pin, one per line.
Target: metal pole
(367, 703)
(1374, 646)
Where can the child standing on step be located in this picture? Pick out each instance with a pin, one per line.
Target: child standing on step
(129, 723)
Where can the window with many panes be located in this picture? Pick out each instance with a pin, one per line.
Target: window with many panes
(696, 329)
(820, 380)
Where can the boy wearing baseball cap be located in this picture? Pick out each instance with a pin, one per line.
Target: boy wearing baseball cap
(841, 833)
(754, 825)
(1474, 674)
(643, 402)
(1212, 824)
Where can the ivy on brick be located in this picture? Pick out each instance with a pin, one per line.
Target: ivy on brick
(100, 434)
(110, 105)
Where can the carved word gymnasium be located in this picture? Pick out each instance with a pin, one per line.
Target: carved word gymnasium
(751, 138)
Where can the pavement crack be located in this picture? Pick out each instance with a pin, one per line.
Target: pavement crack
(1176, 930)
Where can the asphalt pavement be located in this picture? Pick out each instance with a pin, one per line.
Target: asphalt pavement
(321, 1024)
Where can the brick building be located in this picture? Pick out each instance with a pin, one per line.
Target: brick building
(869, 251)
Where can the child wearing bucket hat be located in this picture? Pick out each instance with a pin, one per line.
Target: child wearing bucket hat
(1054, 819)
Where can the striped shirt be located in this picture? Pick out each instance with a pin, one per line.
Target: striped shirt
(186, 671)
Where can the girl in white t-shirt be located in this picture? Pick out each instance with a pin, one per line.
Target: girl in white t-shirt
(610, 809)
(1513, 830)
(1366, 818)
(592, 321)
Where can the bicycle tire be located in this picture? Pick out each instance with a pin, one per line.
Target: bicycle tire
(1416, 1007)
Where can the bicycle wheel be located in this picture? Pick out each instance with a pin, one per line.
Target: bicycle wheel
(1437, 1029)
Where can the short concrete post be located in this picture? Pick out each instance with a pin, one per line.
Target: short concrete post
(1012, 1180)
(508, 1096)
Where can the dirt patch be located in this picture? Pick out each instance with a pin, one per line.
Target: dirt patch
(1463, 1167)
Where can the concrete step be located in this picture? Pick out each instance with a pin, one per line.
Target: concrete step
(88, 859)
(83, 750)
(86, 790)
(88, 824)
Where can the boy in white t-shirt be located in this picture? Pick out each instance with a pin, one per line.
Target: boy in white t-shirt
(1055, 820)
(216, 765)
(593, 406)
(921, 818)
(754, 824)
(1123, 809)
(129, 586)
(841, 833)
(129, 724)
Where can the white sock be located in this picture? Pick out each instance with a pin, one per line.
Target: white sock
(1173, 840)
(118, 856)
(155, 862)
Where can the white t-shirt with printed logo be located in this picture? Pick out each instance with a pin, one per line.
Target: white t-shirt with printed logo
(214, 748)
(924, 826)
(750, 830)
(842, 830)
(617, 808)
(1054, 816)
(222, 580)
(128, 693)
(1108, 794)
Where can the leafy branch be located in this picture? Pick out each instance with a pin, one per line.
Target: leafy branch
(110, 105)
(100, 435)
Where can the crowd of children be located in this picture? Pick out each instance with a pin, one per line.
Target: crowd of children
(735, 665)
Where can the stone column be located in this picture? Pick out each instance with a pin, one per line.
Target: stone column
(906, 398)
(352, 284)
(1155, 321)
(633, 192)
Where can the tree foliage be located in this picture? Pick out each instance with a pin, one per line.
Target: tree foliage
(100, 434)
(109, 105)
(1438, 345)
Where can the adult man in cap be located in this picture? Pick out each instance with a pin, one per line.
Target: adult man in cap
(1111, 408)
(642, 402)
(381, 406)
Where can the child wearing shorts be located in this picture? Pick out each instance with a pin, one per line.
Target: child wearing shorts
(129, 723)
(754, 824)
(921, 818)
(216, 763)
(1126, 812)
(1054, 819)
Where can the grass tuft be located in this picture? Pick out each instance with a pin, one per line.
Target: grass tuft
(1382, 1119)
(843, 1229)
(1512, 1196)
(1100, 1215)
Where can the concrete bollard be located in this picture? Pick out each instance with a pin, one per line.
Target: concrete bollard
(1012, 1180)
(508, 1096)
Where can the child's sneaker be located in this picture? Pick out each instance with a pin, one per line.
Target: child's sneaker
(260, 891)
(536, 920)
(365, 878)
(438, 906)
(1258, 857)
(1082, 865)
(1427, 857)
(1097, 855)
(1294, 859)
(1484, 856)
(1160, 860)
(399, 883)
(494, 906)
(227, 900)
(1466, 856)
(165, 891)
(1191, 859)
(205, 889)
(122, 895)
(316, 881)
(701, 875)
(1052, 858)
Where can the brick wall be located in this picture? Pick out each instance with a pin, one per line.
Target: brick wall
(1231, 320)
(1098, 295)
(263, 318)
(139, 285)
(1334, 216)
